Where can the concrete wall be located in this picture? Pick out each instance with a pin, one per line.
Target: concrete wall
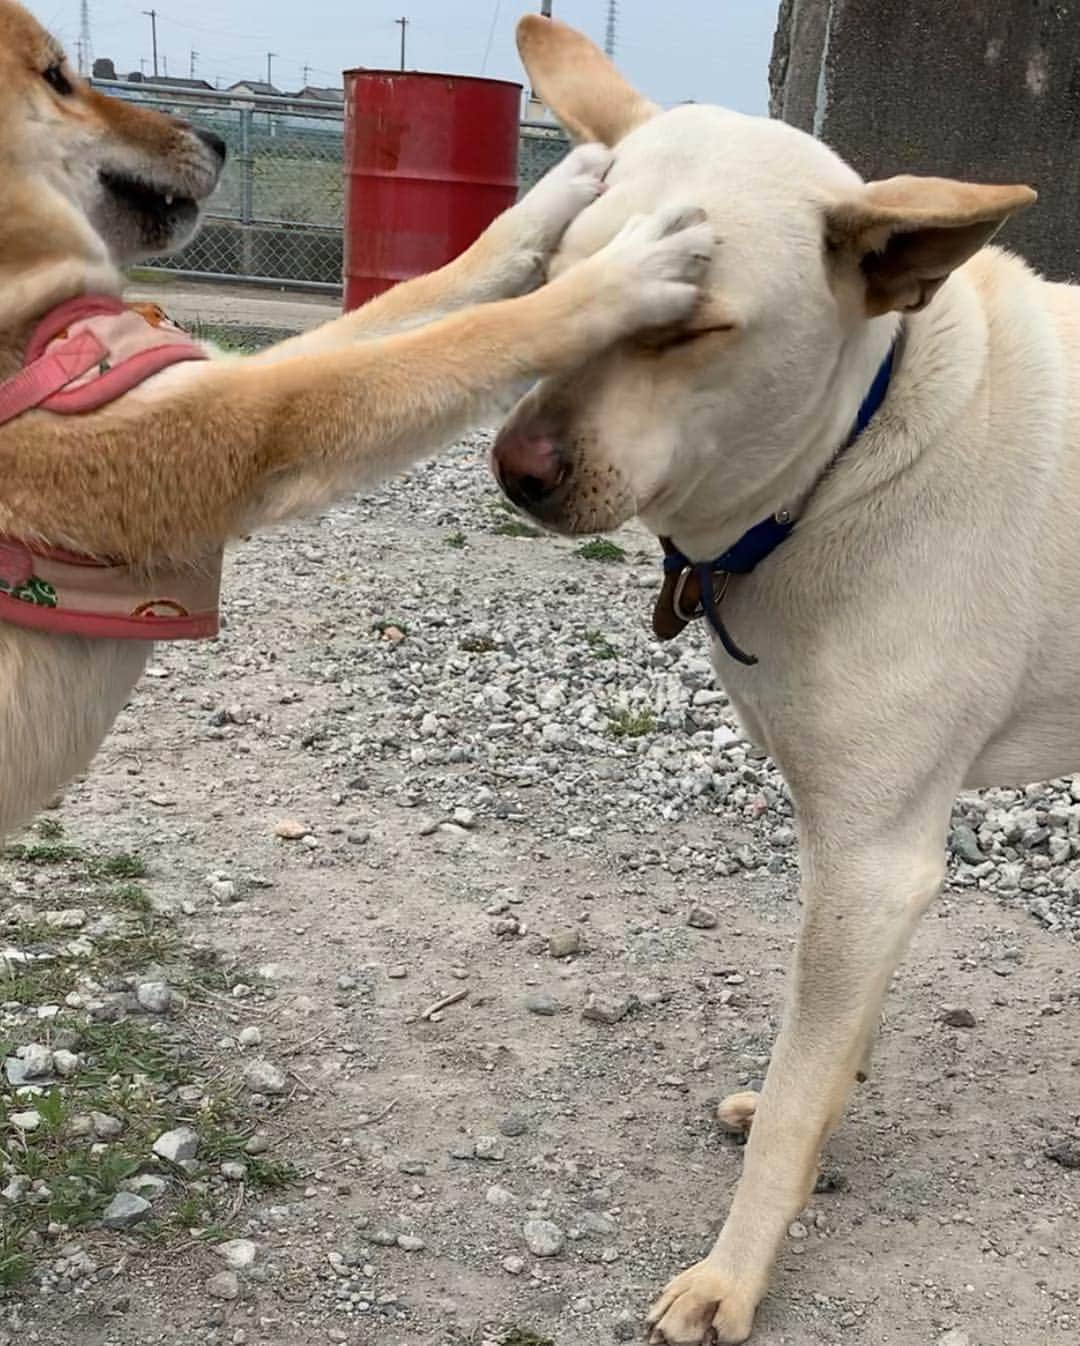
(987, 90)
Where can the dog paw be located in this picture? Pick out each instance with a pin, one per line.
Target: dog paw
(655, 269)
(704, 1305)
(545, 213)
(736, 1112)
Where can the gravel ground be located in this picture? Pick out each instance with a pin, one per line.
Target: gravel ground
(433, 759)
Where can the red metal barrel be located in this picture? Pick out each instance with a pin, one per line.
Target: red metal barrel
(430, 160)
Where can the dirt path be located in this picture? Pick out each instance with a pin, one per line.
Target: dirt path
(944, 1215)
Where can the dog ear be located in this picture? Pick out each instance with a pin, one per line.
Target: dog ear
(578, 82)
(907, 234)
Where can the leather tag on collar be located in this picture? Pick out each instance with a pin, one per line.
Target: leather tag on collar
(682, 584)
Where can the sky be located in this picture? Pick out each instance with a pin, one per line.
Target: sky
(713, 51)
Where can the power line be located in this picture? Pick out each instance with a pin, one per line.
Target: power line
(491, 35)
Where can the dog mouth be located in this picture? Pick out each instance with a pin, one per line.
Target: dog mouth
(157, 205)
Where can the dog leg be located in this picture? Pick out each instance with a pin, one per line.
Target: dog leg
(213, 450)
(861, 902)
(507, 260)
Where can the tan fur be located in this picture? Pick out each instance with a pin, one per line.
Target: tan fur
(204, 451)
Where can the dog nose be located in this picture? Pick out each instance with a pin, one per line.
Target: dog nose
(529, 466)
(212, 142)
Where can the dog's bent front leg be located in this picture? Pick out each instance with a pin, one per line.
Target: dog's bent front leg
(179, 465)
(863, 893)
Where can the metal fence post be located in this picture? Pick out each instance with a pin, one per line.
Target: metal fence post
(247, 168)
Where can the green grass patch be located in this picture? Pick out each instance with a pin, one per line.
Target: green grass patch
(601, 549)
(149, 1072)
(455, 540)
(599, 645)
(631, 723)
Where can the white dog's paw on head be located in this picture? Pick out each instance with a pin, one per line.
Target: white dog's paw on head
(547, 211)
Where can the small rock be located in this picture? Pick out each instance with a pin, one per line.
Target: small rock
(514, 1265)
(237, 1254)
(410, 1243)
(1066, 1153)
(65, 1063)
(147, 1185)
(155, 997)
(539, 1002)
(397, 972)
(124, 1210)
(607, 1009)
(797, 1230)
(382, 1237)
(954, 1338)
(177, 1145)
(290, 830)
(701, 918)
(500, 1197)
(625, 1326)
(965, 845)
(564, 943)
(489, 1147)
(25, 1121)
(106, 1127)
(259, 1143)
(415, 1168)
(263, 1077)
(71, 918)
(225, 1285)
(955, 1016)
(543, 1238)
(347, 982)
(250, 1036)
(36, 1061)
(513, 1124)
(232, 1171)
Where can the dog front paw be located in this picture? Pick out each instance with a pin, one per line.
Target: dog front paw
(705, 1304)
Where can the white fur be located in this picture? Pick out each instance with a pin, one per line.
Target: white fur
(920, 630)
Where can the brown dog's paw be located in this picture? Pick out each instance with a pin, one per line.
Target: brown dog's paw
(736, 1112)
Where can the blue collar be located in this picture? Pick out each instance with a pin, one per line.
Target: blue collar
(763, 539)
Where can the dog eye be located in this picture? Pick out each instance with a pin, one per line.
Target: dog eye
(56, 79)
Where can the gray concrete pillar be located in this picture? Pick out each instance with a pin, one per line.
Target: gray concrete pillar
(987, 90)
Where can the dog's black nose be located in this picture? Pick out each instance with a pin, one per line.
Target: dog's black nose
(212, 142)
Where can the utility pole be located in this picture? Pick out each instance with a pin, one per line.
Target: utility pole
(151, 14)
(609, 32)
(165, 66)
(307, 75)
(85, 54)
(545, 9)
(270, 67)
(192, 62)
(402, 24)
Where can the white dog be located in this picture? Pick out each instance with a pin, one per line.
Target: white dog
(868, 446)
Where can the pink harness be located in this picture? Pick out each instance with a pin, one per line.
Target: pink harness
(83, 355)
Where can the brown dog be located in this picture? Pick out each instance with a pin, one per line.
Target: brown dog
(158, 479)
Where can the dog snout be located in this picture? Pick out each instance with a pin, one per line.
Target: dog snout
(213, 142)
(529, 465)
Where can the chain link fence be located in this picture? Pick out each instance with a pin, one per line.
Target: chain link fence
(276, 216)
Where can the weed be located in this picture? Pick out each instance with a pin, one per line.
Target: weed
(514, 528)
(122, 866)
(601, 549)
(456, 540)
(631, 724)
(477, 645)
(599, 645)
